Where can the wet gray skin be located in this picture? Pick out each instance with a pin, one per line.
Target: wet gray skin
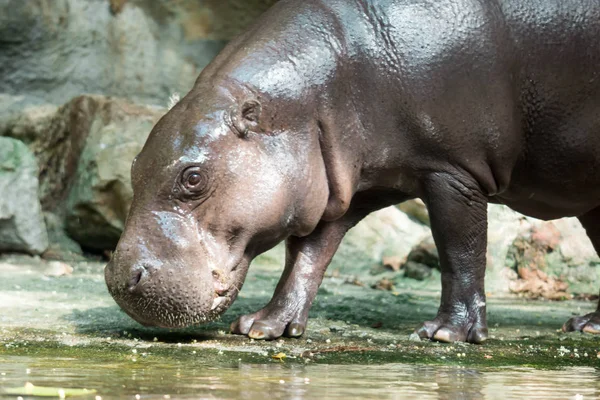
(325, 111)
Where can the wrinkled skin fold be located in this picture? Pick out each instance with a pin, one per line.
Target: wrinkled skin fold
(325, 111)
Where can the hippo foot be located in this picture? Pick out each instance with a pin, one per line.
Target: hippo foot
(589, 323)
(268, 324)
(444, 328)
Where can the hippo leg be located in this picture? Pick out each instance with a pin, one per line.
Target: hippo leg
(458, 213)
(307, 259)
(589, 323)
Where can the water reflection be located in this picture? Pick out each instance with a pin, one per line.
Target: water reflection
(153, 380)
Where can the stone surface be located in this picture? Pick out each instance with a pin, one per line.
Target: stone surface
(22, 225)
(145, 50)
(23, 121)
(425, 253)
(565, 251)
(529, 255)
(61, 136)
(61, 246)
(100, 194)
(85, 149)
(386, 232)
(418, 271)
(415, 209)
(574, 257)
(56, 135)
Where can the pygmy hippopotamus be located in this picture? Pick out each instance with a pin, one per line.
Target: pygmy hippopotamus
(327, 110)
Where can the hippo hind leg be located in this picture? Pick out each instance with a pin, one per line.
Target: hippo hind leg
(589, 323)
(458, 213)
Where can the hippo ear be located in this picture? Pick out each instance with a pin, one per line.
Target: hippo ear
(251, 111)
(247, 117)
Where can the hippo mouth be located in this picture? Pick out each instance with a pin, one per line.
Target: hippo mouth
(159, 313)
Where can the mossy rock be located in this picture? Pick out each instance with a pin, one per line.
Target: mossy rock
(22, 226)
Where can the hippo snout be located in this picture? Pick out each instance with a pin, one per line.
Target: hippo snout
(171, 293)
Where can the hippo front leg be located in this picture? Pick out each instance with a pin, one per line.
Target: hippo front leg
(458, 213)
(307, 259)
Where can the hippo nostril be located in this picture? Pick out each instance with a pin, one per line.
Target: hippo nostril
(136, 278)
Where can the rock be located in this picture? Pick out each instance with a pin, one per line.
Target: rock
(61, 246)
(569, 255)
(418, 271)
(415, 209)
(425, 253)
(414, 337)
(143, 49)
(384, 284)
(560, 249)
(23, 121)
(546, 236)
(22, 226)
(528, 255)
(393, 262)
(85, 149)
(536, 284)
(551, 258)
(387, 232)
(116, 6)
(101, 193)
(575, 246)
(57, 268)
(57, 137)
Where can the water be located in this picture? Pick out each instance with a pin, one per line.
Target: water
(154, 379)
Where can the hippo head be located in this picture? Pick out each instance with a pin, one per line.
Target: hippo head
(218, 182)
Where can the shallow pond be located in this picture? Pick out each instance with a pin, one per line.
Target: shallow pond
(153, 379)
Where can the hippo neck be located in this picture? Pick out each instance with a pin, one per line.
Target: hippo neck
(312, 74)
(361, 141)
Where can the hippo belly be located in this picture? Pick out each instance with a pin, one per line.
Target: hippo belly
(559, 175)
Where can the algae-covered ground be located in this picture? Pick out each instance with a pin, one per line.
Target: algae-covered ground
(70, 323)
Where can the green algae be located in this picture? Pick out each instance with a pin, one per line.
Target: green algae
(538, 352)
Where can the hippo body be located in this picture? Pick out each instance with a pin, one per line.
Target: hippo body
(327, 110)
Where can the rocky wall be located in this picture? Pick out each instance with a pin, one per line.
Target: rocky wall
(144, 50)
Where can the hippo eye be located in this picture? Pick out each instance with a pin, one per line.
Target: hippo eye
(194, 181)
